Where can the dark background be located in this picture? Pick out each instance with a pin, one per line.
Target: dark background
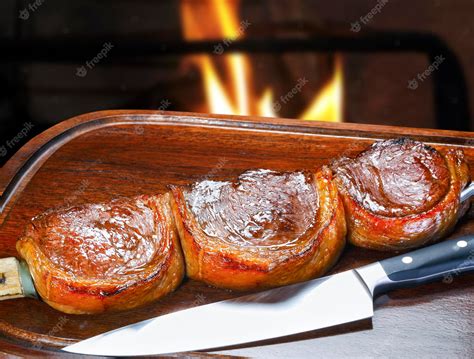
(41, 54)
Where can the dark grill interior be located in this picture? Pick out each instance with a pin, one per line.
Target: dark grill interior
(46, 43)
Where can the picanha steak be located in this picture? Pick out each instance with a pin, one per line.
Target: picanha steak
(109, 256)
(264, 229)
(401, 194)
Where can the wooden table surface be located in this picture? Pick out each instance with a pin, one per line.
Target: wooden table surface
(100, 156)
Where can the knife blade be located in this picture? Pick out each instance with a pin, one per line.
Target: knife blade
(273, 313)
(297, 308)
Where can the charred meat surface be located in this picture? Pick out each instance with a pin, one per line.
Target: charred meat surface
(401, 194)
(109, 256)
(264, 208)
(265, 229)
(262, 230)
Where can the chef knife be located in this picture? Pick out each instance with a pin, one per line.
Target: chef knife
(320, 303)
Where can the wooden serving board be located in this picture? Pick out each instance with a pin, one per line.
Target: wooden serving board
(104, 155)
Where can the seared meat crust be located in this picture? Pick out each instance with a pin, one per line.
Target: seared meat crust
(401, 194)
(263, 230)
(109, 256)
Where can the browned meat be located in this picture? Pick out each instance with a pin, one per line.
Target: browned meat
(401, 194)
(265, 229)
(109, 256)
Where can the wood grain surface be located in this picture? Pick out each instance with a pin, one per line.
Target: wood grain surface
(105, 155)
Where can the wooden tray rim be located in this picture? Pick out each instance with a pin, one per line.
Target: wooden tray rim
(24, 163)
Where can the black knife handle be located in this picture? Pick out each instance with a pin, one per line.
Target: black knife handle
(443, 260)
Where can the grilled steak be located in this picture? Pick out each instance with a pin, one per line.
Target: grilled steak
(110, 256)
(265, 229)
(401, 194)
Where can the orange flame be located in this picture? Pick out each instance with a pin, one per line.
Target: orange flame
(239, 98)
(327, 105)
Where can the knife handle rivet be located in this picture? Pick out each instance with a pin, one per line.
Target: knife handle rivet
(462, 244)
(407, 259)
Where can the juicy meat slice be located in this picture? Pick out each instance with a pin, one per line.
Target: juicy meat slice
(401, 194)
(396, 177)
(265, 229)
(264, 208)
(108, 256)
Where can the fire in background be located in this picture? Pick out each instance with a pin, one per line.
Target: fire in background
(229, 89)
